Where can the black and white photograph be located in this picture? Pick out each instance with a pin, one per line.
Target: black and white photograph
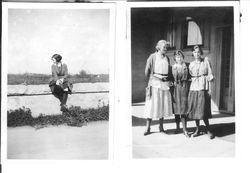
(183, 90)
(124, 86)
(58, 70)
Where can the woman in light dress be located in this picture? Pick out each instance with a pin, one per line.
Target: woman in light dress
(158, 97)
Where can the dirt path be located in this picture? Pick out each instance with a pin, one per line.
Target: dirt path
(61, 142)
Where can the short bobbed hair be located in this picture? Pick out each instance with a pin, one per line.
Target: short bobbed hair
(197, 47)
(178, 52)
(57, 57)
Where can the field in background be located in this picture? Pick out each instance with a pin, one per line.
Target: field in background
(37, 79)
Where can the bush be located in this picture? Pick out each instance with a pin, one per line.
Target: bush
(74, 116)
(19, 117)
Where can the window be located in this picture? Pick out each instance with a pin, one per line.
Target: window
(170, 32)
(194, 36)
(194, 33)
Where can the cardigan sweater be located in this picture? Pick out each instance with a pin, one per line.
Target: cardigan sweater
(59, 72)
(149, 69)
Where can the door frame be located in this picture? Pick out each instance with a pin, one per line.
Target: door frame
(218, 55)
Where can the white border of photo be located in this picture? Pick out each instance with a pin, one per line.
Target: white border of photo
(120, 134)
(194, 164)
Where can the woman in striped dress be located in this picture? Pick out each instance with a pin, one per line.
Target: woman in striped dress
(158, 98)
(199, 101)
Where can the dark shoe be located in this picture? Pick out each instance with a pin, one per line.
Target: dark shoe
(210, 135)
(64, 108)
(147, 132)
(177, 131)
(186, 134)
(196, 133)
(161, 129)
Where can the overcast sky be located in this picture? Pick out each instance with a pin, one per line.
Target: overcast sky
(81, 36)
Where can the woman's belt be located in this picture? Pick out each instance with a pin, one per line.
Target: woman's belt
(198, 76)
(180, 81)
(160, 74)
(164, 78)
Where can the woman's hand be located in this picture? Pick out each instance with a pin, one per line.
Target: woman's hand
(210, 78)
(59, 82)
(170, 84)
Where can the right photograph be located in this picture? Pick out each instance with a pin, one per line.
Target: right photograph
(183, 91)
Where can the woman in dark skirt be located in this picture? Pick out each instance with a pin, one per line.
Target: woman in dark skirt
(59, 83)
(180, 92)
(199, 102)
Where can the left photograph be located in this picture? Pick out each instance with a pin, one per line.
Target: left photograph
(58, 82)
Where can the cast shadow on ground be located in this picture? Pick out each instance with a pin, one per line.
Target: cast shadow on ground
(219, 130)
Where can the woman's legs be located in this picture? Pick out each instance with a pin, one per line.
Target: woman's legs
(64, 101)
(210, 134)
(147, 132)
(197, 130)
(177, 121)
(161, 125)
(184, 125)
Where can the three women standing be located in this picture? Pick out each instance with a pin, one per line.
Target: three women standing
(193, 102)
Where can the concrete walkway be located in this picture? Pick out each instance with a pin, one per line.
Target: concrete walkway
(61, 142)
(169, 145)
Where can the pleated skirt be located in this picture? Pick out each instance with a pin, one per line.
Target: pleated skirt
(159, 105)
(199, 105)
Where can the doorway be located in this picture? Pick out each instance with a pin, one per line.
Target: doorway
(226, 98)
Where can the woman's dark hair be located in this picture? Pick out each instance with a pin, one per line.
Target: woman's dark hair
(197, 47)
(57, 57)
(178, 52)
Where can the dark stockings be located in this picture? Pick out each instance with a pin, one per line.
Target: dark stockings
(148, 124)
(177, 121)
(197, 131)
(161, 125)
(210, 134)
(63, 99)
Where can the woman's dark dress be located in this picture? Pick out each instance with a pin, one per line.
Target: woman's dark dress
(180, 91)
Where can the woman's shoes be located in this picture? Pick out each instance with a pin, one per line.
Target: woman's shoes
(64, 108)
(161, 129)
(196, 133)
(147, 132)
(177, 131)
(210, 135)
(186, 134)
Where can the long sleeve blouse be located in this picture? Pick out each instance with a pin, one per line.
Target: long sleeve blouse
(158, 65)
(59, 72)
(201, 75)
(180, 73)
